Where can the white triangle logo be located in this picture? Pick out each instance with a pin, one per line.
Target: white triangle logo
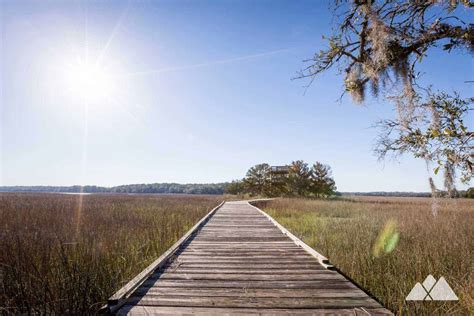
(432, 290)
(443, 292)
(429, 282)
(417, 293)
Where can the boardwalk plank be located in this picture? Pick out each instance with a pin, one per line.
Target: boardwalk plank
(245, 259)
(216, 311)
(326, 284)
(247, 277)
(239, 292)
(248, 266)
(259, 302)
(249, 270)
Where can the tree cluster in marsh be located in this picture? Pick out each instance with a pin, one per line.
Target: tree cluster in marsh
(296, 179)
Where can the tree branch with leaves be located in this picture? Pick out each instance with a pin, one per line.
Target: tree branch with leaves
(379, 45)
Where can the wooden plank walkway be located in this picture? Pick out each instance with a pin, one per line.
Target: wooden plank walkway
(238, 260)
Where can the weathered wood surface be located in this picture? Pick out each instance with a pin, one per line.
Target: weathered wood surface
(240, 261)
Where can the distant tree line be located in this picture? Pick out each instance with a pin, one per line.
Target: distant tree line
(388, 194)
(162, 188)
(469, 193)
(175, 188)
(279, 185)
(295, 179)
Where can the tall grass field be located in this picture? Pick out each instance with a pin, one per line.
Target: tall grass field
(66, 254)
(387, 245)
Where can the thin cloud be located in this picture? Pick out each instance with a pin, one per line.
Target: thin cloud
(117, 26)
(211, 63)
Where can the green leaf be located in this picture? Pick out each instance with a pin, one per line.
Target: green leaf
(436, 170)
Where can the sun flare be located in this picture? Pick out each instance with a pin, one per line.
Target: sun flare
(89, 80)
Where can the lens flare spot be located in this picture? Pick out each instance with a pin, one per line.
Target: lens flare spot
(387, 239)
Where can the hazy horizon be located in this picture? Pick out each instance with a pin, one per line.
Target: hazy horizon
(180, 183)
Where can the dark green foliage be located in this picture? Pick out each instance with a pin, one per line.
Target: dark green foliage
(296, 179)
(299, 179)
(235, 187)
(469, 193)
(257, 181)
(322, 183)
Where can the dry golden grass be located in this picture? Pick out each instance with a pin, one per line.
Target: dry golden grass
(346, 231)
(58, 259)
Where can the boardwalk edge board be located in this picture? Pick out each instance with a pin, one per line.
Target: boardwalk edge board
(322, 259)
(120, 297)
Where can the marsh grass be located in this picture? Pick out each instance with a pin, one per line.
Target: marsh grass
(58, 259)
(346, 231)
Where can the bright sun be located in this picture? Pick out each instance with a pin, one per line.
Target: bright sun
(90, 81)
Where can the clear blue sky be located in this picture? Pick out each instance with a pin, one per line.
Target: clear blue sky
(197, 91)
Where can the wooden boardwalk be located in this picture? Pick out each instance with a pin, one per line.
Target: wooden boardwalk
(238, 260)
